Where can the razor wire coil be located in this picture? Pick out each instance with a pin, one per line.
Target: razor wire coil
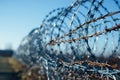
(71, 41)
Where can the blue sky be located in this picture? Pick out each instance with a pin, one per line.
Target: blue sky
(19, 17)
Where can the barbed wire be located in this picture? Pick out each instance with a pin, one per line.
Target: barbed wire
(78, 42)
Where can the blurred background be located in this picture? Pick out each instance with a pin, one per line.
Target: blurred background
(19, 17)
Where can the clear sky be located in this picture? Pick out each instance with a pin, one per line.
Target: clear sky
(19, 17)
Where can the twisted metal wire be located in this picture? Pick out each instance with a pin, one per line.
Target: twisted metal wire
(70, 25)
(71, 41)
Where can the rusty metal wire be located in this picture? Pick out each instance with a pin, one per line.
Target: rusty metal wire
(70, 25)
(78, 42)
